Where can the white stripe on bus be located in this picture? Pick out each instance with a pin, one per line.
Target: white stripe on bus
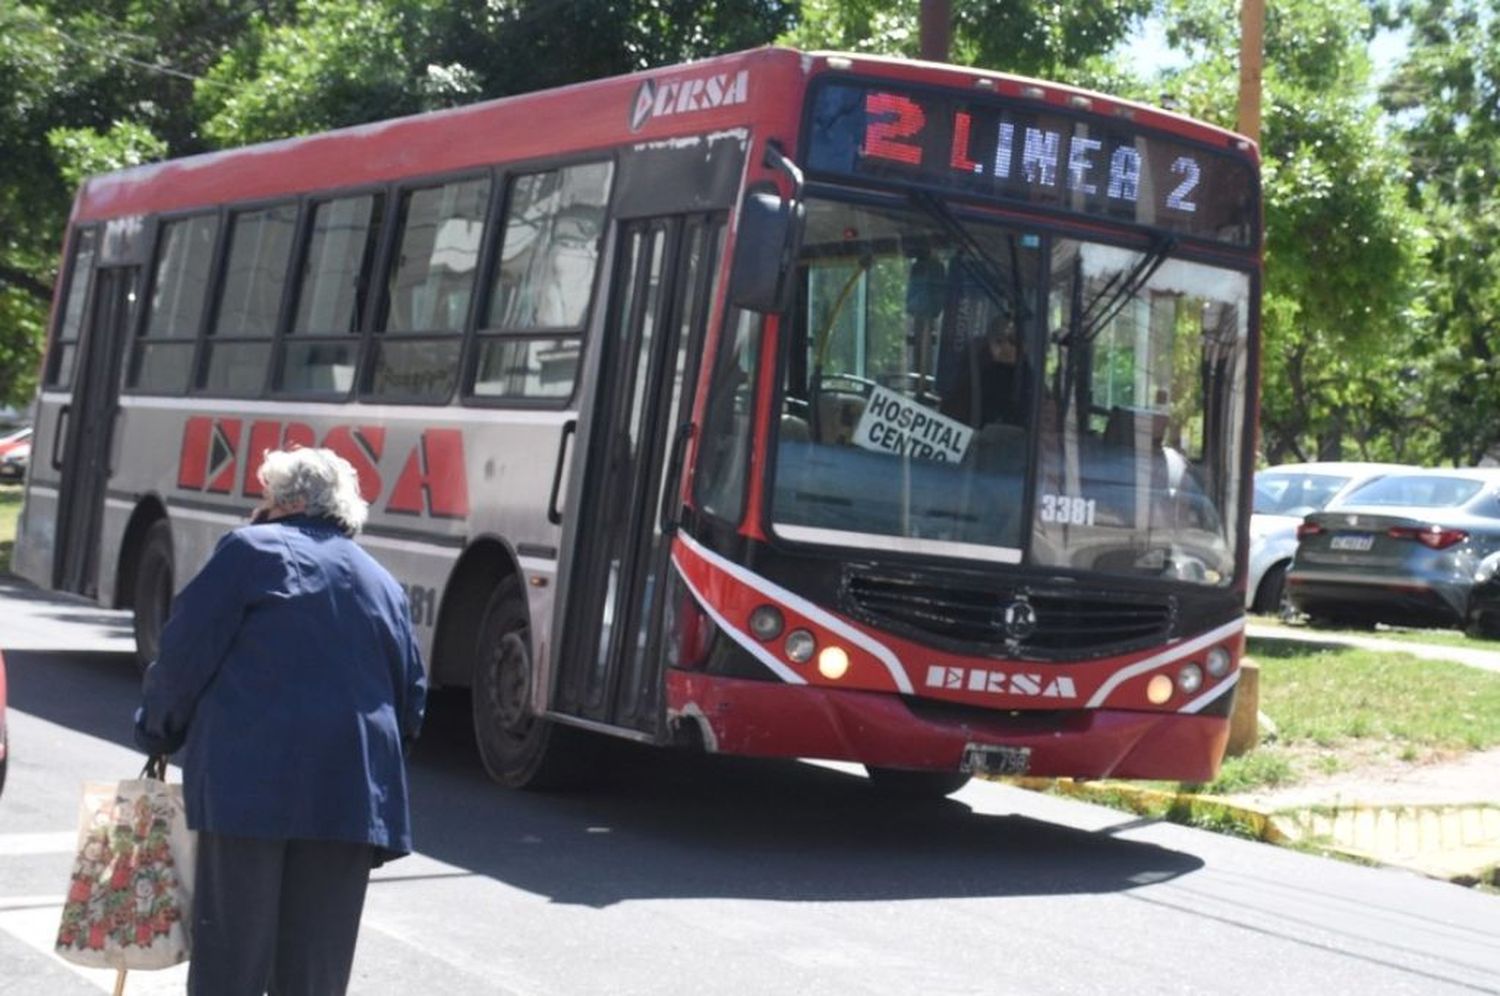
(203, 515)
(898, 544)
(797, 603)
(345, 411)
(1213, 693)
(743, 639)
(1167, 656)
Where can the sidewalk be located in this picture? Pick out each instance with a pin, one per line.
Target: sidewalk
(1488, 660)
(1441, 820)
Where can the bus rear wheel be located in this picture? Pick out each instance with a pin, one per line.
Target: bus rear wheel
(153, 591)
(518, 748)
(916, 785)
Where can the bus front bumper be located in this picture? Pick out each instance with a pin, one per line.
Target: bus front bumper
(763, 719)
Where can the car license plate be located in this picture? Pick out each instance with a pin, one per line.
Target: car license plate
(986, 759)
(1357, 542)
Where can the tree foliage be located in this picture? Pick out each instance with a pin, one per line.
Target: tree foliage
(349, 61)
(1380, 299)
(1343, 250)
(92, 85)
(1445, 104)
(86, 86)
(1030, 37)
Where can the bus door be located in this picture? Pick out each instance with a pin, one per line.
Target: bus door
(87, 434)
(609, 666)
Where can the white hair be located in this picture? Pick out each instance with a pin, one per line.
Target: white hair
(321, 479)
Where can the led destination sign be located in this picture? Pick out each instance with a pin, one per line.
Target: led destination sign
(1040, 157)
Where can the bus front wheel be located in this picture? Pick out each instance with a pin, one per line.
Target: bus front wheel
(153, 591)
(518, 748)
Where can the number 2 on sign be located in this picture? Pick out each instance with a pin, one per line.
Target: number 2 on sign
(1067, 510)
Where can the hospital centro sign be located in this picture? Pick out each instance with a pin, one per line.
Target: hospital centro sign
(894, 423)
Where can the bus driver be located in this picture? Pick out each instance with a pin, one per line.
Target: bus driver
(986, 387)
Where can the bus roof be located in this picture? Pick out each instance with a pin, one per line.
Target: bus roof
(743, 89)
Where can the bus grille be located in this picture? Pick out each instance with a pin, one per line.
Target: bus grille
(965, 617)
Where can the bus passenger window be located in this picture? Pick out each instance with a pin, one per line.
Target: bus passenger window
(163, 356)
(321, 351)
(249, 304)
(440, 230)
(544, 280)
(65, 350)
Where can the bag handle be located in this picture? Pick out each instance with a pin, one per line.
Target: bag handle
(156, 767)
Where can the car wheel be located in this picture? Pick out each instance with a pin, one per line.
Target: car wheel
(1481, 626)
(916, 785)
(1271, 596)
(518, 748)
(153, 591)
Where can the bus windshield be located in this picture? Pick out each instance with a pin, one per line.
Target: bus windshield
(931, 377)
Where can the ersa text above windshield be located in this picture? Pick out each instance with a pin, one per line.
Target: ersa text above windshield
(1038, 157)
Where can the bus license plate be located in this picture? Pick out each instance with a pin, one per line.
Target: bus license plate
(985, 759)
(1358, 542)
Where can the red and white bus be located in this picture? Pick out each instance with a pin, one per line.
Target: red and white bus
(779, 404)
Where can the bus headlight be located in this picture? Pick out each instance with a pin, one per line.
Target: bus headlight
(800, 646)
(766, 622)
(1190, 678)
(833, 663)
(1217, 662)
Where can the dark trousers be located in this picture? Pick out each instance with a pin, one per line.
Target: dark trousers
(276, 915)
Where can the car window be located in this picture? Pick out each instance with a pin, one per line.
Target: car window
(1420, 490)
(1295, 494)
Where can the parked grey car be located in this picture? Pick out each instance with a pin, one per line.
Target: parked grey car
(1401, 549)
(1283, 496)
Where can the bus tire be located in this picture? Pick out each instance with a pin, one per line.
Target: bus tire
(153, 591)
(518, 748)
(915, 785)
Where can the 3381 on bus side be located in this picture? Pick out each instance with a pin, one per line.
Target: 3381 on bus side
(781, 404)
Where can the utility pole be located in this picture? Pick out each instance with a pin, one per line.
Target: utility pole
(935, 30)
(1252, 29)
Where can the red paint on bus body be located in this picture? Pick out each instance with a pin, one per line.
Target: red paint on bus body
(433, 480)
(906, 666)
(768, 719)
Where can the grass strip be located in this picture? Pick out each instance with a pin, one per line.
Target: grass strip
(1336, 709)
(10, 511)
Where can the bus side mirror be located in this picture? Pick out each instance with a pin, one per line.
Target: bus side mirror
(765, 253)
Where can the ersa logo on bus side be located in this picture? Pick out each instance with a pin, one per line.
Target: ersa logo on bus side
(661, 98)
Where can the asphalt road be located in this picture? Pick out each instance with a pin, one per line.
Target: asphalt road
(678, 875)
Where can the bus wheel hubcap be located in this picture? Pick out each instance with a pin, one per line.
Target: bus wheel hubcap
(512, 683)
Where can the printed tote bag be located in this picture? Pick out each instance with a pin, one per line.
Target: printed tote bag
(130, 896)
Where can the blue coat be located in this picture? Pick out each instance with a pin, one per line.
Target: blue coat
(289, 675)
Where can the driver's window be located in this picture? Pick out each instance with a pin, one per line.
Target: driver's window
(899, 304)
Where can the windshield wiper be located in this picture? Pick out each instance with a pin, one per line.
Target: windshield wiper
(983, 265)
(1123, 286)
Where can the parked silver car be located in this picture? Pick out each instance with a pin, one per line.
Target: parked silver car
(1283, 495)
(1400, 549)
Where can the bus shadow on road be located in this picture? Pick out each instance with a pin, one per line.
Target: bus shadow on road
(65, 608)
(91, 692)
(658, 824)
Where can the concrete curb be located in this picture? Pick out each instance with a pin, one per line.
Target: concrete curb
(1455, 842)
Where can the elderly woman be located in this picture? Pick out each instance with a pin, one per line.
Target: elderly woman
(289, 677)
